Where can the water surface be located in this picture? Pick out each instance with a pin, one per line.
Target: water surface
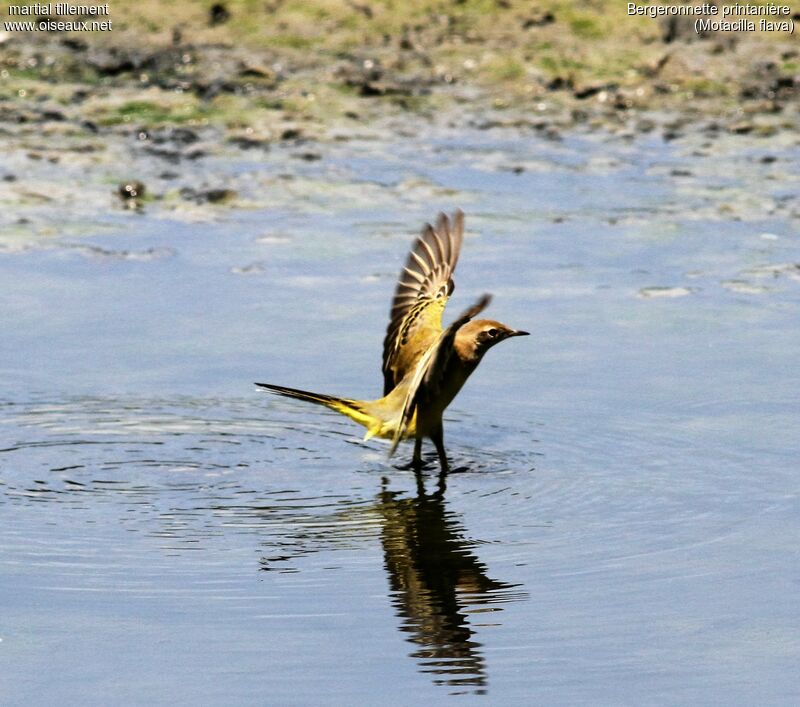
(624, 523)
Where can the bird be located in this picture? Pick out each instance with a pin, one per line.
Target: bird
(424, 364)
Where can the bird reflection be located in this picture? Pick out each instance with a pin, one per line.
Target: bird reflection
(436, 583)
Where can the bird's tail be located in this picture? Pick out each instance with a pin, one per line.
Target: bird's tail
(357, 410)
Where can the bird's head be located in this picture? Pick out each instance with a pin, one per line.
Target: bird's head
(475, 338)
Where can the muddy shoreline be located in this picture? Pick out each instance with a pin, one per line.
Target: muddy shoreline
(272, 74)
(138, 112)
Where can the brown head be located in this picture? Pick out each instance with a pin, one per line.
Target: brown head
(475, 338)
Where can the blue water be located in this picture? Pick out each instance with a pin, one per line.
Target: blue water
(624, 523)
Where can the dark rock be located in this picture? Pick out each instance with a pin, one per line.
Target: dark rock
(251, 70)
(538, 20)
(248, 143)
(212, 89)
(73, 43)
(172, 156)
(371, 80)
(179, 136)
(622, 102)
(169, 143)
(592, 90)
(116, 60)
(216, 196)
(210, 196)
(768, 82)
(742, 128)
(368, 89)
(131, 190)
(559, 83)
(218, 14)
(111, 61)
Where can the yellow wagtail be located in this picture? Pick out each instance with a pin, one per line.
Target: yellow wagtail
(424, 366)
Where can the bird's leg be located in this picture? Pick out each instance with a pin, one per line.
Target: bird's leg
(416, 463)
(416, 460)
(441, 486)
(438, 439)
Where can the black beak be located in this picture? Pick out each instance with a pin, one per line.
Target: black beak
(519, 332)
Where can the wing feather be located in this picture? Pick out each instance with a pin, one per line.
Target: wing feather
(419, 260)
(425, 283)
(429, 235)
(419, 277)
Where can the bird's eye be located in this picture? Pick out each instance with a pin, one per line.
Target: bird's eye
(493, 332)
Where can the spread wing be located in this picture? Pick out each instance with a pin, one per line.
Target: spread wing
(426, 282)
(431, 367)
